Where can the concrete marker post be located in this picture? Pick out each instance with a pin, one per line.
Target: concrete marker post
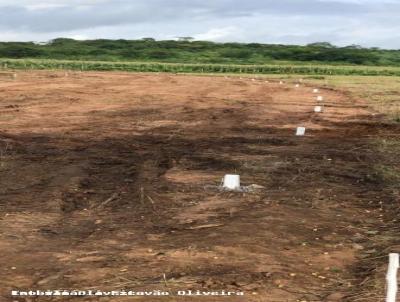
(300, 131)
(391, 277)
(318, 109)
(231, 182)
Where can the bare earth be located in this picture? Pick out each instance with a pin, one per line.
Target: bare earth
(109, 181)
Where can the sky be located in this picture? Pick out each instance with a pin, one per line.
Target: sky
(370, 23)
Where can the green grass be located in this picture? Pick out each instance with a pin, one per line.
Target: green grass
(275, 68)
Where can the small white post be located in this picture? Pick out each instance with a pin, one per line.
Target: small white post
(232, 182)
(281, 83)
(316, 91)
(320, 98)
(391, 277)
(301, 131)
(297, 85)
(318, 109)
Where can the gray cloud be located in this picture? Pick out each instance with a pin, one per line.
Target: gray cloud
(365, 22)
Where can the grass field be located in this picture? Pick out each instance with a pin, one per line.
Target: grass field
(382, 93)
(275, 68)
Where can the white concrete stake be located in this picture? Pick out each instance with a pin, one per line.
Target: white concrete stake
(297, 85)
(391, 277)
(232, 182)
(316, 91)
(280, 82)
(320, 98)
(301, 131)
(318, 109)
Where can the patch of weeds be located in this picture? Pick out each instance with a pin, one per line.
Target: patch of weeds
(3, 152)
(390, 175)
(336, 270)
(396, 116)
(388, 146)
(387, 170)
(316, 77)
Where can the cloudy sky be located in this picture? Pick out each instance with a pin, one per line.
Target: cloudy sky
(342, 22)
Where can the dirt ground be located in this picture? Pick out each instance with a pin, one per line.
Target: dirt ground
(109, 181)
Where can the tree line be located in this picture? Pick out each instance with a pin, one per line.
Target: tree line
(185, 50)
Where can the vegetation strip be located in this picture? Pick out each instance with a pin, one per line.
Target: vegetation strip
(38, 64)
